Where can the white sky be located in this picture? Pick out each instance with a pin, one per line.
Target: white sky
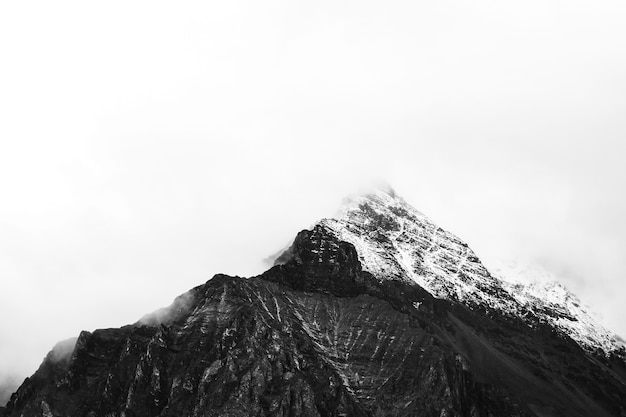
(145, 146)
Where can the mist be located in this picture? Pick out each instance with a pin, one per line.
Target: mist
(62, 351)
(8, 385)
(145, 148)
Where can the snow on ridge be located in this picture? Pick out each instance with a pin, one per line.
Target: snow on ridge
(551, 301)
(395, 241)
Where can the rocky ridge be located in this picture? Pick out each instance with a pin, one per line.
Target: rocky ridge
(553, 303)
(395, 241)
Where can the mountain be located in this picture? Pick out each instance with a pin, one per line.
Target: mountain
(377, 312)
(553, 303)
(395, 241)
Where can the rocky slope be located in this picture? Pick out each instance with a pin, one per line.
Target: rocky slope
(553, 303)
(395, 241)
(361, 316)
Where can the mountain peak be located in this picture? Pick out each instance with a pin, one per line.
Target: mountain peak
(394, 241)
(537, 290)
(380, 186)
(374, 202)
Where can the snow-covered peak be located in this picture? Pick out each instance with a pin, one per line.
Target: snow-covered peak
(395, 241)
(551, 301)
(378, 198)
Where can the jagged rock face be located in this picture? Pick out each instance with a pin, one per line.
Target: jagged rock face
(552, 303)
(395, 241)
(320, 334)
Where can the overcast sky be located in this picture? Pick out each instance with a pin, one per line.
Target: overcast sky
(145, 146)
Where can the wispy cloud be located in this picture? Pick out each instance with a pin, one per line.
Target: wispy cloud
(196, 139)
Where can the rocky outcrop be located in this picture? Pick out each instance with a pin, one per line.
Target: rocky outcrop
(551, 302)
(322, 334)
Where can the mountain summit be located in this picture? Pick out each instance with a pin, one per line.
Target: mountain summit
(395, 241)
(377, 312)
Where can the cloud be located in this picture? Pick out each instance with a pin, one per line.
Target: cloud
(181, 304)
(62, 351)
(8, 385)
(200, 139)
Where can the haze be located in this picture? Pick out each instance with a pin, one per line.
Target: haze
(146, 146)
